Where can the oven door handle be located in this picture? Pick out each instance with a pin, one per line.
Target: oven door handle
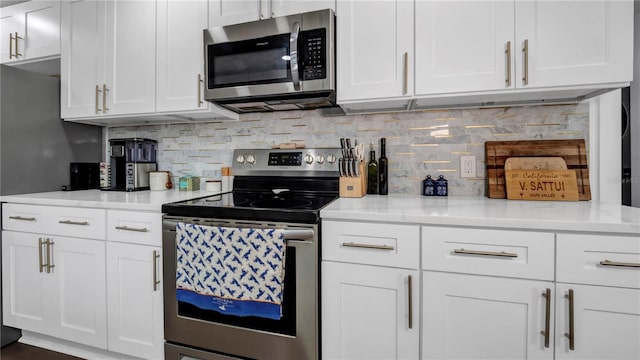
(298, 234)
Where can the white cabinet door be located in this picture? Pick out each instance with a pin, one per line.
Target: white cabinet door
(130, 70)
(37, 27)
(79, 308)
(367, 312)
(180, 59)
(606, 322)
(463, 46)
(8, 28)
(573, 42)
(82, 58)
(24, 287)
(290, 7)
(374, 49)
(477, 317)
(65, 297)
(135, 300)
(227, 12)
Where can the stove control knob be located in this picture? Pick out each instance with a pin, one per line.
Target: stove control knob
(320, 159)
(251, 159)
(308, 159)
(240, 159)
(331, 158)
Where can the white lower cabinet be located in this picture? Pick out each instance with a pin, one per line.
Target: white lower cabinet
(481, 317)
(134, 297)
(606, 322)
(55, 285)
(369, 312)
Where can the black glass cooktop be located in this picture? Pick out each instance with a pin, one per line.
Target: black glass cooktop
(300, 207)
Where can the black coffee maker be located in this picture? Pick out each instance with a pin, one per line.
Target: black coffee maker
(131, 161)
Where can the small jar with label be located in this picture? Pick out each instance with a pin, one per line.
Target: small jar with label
(428, 186)
(441, 186)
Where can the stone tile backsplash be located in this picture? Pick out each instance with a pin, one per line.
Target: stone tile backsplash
(418, 143)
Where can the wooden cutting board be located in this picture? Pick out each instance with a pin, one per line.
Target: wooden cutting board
(573, 152)
(535, 163)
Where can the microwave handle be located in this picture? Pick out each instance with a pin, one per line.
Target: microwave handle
(293, 40)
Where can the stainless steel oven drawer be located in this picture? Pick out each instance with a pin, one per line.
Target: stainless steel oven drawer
(175, 352)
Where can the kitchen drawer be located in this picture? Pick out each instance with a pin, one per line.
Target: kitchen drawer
(371, 243)
(54, 220)
(134, 227)
(517, 254)
(581, 259)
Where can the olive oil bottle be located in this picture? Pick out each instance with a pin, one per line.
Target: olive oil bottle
(383, 169)
(372, 172)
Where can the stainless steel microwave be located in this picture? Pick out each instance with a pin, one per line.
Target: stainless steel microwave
(282, 63)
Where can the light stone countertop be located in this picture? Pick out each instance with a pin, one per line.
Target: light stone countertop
(581, 216)
(145, 200)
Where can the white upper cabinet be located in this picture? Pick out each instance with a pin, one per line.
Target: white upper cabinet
(374, 49)
(108, 58)
(483, 52)
(227, 12)
(463, 46)
(29, 30)
(180, 60)
(573, 42)
(130, 57)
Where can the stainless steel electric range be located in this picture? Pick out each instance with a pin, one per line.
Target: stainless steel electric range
(283, 189)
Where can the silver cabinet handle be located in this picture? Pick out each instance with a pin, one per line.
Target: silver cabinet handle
(571, 334)
(293, 40)
(200, 81)
(368, 246)
(16, 49)
(11, 46)
(547, 317)
(98, 110)
(69, 222)
(525, 54)
(485, 253)
(156, 282)
(619, 264)
(126, 228)
(410, 294)
(508, 67)
(405, 73)
(49, 245)
(104, 98)
(41, 264)
(21, 218)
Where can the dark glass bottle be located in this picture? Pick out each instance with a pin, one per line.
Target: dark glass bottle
(383, 169)
(372, 173)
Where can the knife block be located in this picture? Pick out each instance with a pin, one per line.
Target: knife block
(354, 186)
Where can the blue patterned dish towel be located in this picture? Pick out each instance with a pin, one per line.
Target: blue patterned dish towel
(234, 271)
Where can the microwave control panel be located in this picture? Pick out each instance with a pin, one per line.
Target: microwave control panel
(314, 54)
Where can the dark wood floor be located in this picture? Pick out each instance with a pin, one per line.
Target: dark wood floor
(18, 351)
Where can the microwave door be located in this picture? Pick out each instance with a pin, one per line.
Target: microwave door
(252, 67)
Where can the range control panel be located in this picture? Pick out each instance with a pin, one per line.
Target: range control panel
(276, 162)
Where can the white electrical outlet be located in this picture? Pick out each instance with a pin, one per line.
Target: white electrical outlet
(468, 166)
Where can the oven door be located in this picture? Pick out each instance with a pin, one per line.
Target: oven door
(294, 336)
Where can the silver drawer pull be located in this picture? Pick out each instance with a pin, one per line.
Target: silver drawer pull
(22, 218)
(485, 253)
(69, 222)
(126, 228)
(368, 246)
(619, 264)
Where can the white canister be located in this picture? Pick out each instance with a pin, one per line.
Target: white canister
(213, 186)
(159, 180)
